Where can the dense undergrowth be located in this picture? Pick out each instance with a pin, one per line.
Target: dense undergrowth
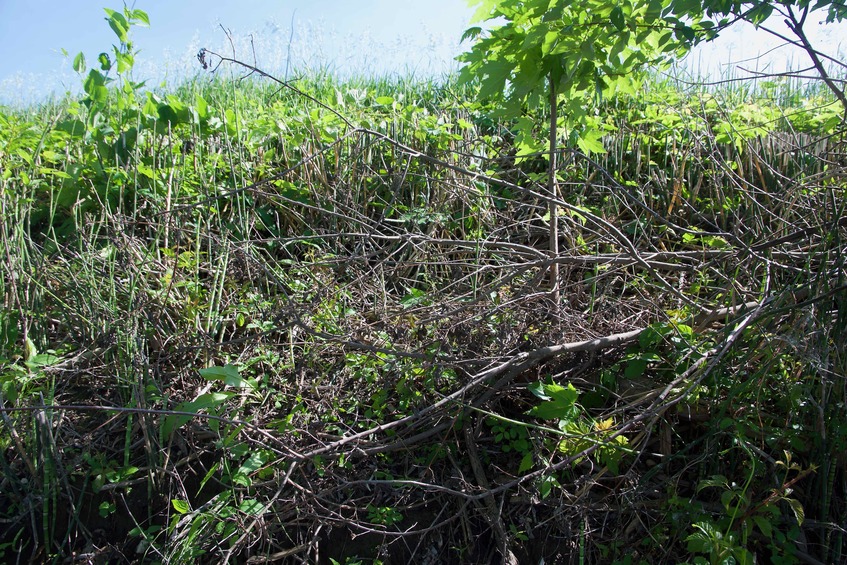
(312, 321)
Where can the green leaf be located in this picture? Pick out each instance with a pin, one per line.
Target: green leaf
(253, 463)
(41, 360)
(797, 508)
(653, 335)
(125, 61)
(140, 17)
(105, 61)
(561, 405)
(94, 79)
(485, 9)
(552, 410)
(25, 155)
(538, 389)
(118, 23)
(229, 375)
(230, 122)
(526, 463)
(471, 33)
(168, 115)
(714, 481)
(151, 107)
(546, 484)
(201, 106)
(181, 506)
(635, 369)
(251, 506)
(95, 86)
(494, 75)
(617, 18)
(591, 141)
(79, 63)
(764, 525)
(202, 402)
(106, 508)
(75, 127)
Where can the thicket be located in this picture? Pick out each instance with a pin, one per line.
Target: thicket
(313, 321)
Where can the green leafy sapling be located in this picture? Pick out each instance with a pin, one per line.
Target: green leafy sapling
(558, 56)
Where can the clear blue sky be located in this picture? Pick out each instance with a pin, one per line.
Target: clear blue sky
(347, 36)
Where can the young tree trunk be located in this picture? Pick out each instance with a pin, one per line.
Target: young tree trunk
(553, 190)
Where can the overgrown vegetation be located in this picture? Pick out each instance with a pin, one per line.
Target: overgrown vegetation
(312, 321)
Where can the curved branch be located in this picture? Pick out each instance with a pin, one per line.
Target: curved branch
(796, 26)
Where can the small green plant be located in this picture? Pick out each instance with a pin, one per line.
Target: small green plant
(106, 509)
(578, 432)
(517, 533)
(728, 537)
(722, 548)
(212, 402)
(384, 515)
(109, 472)
(511, 437)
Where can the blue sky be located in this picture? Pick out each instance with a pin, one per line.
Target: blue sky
(347, 36)
(352, 36)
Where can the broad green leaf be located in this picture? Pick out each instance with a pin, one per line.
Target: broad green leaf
(94, 79)
(229, 375)
(471, 33)
(546, 485)
(635, 369)
(105, 61)
(714, 481)
(145, 170)
(151, 107)
(230, 122)
(253, 463)
(180, 506)
(74, 127)
(617, 18)
(203, 402)
(581, 218)
(241, 480)
(95, 86)
(54, 172)
(591, 141)
(140, 17)
(25, 155)
(797, 508)
(79, 63)
(653, 335)
(494, 75)
(552, 410)
(561, 405)
(526, 463)
(538, 389)
(764, 525)
(484, 10)
(201, 106)
(118, 23)
(125, 61)
(251, 506)
(167, 115)
(41, 360)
